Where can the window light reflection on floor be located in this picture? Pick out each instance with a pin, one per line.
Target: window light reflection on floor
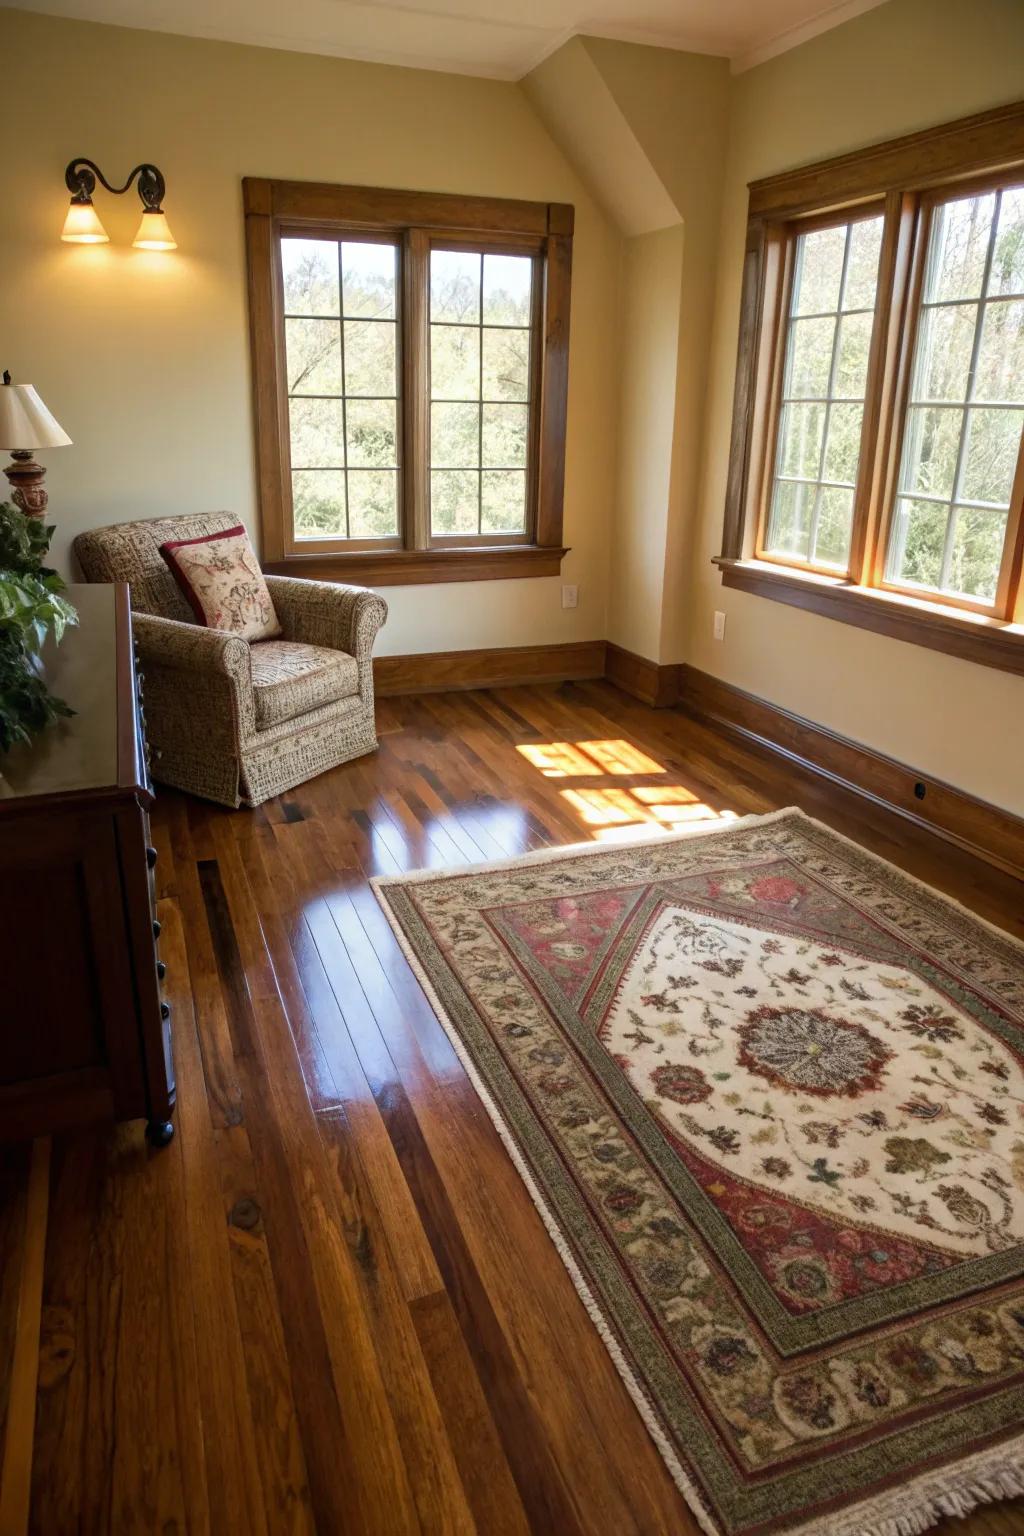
(618, 811)
(585, 759)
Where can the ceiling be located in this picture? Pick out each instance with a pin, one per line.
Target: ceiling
(478, 37)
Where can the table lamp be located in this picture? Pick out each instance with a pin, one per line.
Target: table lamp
(26, 424)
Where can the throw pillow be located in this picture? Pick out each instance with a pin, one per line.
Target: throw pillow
(223, 584)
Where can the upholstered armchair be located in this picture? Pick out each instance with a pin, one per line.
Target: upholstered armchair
(232, 721)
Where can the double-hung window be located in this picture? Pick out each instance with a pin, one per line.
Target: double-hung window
(410, 359)
(877, 467)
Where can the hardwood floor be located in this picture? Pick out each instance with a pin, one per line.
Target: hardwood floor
(329, 1304)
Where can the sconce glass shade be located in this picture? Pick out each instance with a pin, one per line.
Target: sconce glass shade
(82, 226)
(25, 422)
(154, 232)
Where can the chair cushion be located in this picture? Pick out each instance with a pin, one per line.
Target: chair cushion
(222, 581)
(289, 679)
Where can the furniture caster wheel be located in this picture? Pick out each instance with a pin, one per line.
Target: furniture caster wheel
(159, 1132)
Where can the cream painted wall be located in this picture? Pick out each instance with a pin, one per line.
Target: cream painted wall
(904, 66)
(144, 358)
(652, 274)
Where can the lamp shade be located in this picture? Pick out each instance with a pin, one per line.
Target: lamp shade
(82, 226)
(154, 232)
(25, 422)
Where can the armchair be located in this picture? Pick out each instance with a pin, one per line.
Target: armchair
(228, 720)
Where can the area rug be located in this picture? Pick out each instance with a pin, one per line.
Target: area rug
(768, 1095)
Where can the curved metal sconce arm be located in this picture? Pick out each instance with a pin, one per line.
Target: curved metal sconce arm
(81, 175)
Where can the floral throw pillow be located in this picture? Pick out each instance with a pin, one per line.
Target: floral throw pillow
(223, 584)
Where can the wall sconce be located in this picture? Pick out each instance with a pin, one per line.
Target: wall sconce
(82, 225)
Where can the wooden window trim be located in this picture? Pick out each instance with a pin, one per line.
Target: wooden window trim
(417, 220)
(910, 174)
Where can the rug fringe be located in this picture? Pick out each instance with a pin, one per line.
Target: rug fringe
(953, 1493)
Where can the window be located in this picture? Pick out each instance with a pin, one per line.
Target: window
(877, 466)
(410, 365)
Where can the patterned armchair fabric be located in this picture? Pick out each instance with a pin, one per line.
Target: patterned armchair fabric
(234, 722)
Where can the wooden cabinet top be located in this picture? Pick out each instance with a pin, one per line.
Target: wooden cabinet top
(98, 750)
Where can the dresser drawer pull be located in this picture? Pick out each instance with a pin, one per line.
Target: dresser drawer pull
(161, 969)
(150, 857)
(165, 1011)
(156, 927)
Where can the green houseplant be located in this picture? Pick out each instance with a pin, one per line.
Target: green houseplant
(30, 606)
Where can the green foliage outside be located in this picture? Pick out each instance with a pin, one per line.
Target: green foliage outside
(30, 606)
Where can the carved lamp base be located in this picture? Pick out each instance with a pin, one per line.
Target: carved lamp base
(26, 477)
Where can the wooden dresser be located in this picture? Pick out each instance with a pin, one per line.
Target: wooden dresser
(84, 1032)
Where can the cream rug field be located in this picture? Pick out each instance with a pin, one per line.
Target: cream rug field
(768, 1094)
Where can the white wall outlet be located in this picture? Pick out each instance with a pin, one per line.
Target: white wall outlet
(719, 626)
(570, 596)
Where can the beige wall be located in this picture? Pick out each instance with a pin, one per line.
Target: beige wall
(144, 358)
(901, 67)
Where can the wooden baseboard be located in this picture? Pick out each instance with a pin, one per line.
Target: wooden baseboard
(975, 825)
(502, 667)
(645, 680)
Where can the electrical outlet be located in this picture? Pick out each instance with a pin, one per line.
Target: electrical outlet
(719, 626)
(570, 596)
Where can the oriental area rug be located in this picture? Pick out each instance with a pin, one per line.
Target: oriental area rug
(768, 1095)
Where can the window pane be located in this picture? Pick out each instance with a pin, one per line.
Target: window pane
(480, 387)
(789, 528)
(310, 272)
(455, 286)
(372, 434)
(368, 279)
(942, 362)
(454, 501)
(852, 356)
(959, 245)
(862, 264)
(836, 270)
(370, 358)
(455, 436)
(504, 501)
(1008, 254)
(454, 362)
(810, 358)
(976, 553)
(506, 364)
(342, 384)
(930, 446)
(919, 536)
(834, 525)
(819, 269)
(317, 434)
(842, 452)
(1000, 373)
(508, 286)
(372, 503)
(993, 438)
(318, 502)
(801, 431)
(505, 430)
(313, 350)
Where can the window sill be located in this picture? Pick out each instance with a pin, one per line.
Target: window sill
(954, 631)
(412, 567)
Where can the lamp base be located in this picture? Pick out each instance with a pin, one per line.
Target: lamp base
(26, 477)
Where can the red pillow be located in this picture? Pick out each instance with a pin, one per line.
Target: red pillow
(223, 584)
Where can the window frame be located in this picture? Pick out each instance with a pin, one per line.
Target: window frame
(416, 222)
(907, 178)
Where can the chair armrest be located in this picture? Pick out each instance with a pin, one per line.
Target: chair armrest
(190, 647)
(327, 613)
